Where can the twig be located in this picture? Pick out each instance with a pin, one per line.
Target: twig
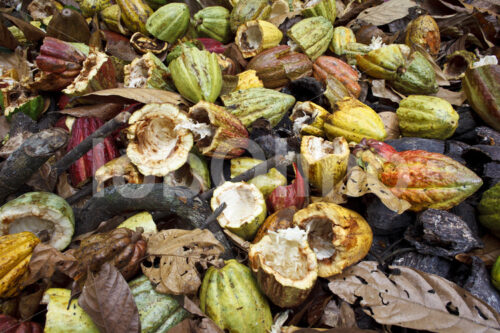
(28, 158)
(88, 143)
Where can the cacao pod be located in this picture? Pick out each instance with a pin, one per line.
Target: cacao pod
(424, 179)
(213, 22)
(10, 324)
(248, 79)
(158, 312)
(15, 255)
(339, 236)
(84, 168)
(226, 136)
(98, 73)
(266, 183)
(196, 74)
(325, 66)
(293, 195)
(64, 314)
(144, 44)
(142, 220)
(120, 167)
(255, 36)
(312, 35)
(495, 274)
(335, 91)
(169, 22)
(384, 62)
(279, 66)
(324, 162)
(112, 16)
(354, 121)
(31, 106)
(325, 8)
(91, 7)
(38, 211)
(341, 37)
(245, 210)
(417, 77)
(231, 298)
(282, 219)
(489, 214)
(482, 87)
(250, 104)
(249, 10)
(424, 31)
(157, 144)
(285, 266)
(148, 72)
(427, 117)
(308, 118)
(135, 14)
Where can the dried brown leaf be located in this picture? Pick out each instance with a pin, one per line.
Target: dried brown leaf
(238, 241)
(293, 329)
(387, 12)
(107, 299)
(391, 124)
(142, 95)
(200, 323)
(379, 89)
(454, 97)
(488, 254)
(105, 111)
(7, 39)
(64, 188)
(173, 257)
(413, 299)
(46, 260)
(354, 8)
(32, 33)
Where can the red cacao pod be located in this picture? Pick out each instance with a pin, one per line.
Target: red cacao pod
(84, 168)
(292, 195)
(278, 66)
(325, 66)
(212, 45)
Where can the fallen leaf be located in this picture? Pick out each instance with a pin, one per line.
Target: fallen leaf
(454, 97)
(293, 329)
(46, 260)
(29, 302)
(7, 39)
(200, 323)
(387, 12)
(174, 255)
(488, 254)
(413, 299)
(238, 241)
(358, 183)
(119, 46)
(391, 124)
(32, 33)
(353, 9)
(108, 300)
(43, 179)
(105, 111)
(142, 95)
(379, 89)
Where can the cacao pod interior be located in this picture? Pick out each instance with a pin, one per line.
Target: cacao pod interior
(320, 236)
(319, 148)
(251, 38)
(138, 75)
(202, 130)
(241, 205)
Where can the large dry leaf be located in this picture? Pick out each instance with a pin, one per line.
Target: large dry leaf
(358, 183)
(105, 111)
(46, 260)
(293, 329)
(413, 299)
(32, 33)
(7, 39)
(488, 254)
(107, 299)
(174, 255)
(379, 89)
(387, 12)
(199, 323)
(141, 95)
(391, 124)
(453, 97)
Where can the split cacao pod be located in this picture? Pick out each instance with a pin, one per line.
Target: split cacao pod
(325, 8)
(312, 35)
(249, 10)
(325, 66)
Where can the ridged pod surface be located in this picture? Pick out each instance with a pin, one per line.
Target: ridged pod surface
(325, 66)
(231, 297)
(418, 77)
(213, 22)
(312, 35)
(382, 63)
(169, 22)
(249, 10)
(325, 8)
(489, 214)
(341, 37)
(135, 13)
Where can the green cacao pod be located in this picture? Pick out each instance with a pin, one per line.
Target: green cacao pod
(169, 22)
(91, 7)
(250, 104)
(31, 106)
(196, 74)
(147, 72)
(427, 117)
(231, 298)
(354, 121)
(341, 37)
(158, 312)
(325, 8)
(213, 22)
(384, 62)
(495, 274)
(417, 78)
(482, 87)
(312, 35)
(489, 214)
(249, 10)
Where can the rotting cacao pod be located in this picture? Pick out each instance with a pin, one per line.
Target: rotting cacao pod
(308, 118)
(424, 31)
(144, 44)
(148, 72)
(482, 87)
(120, 167)
(231, 297)
(424, 179)
(325, 66)
(278, 66)
(254, 36)
(248, 79)
(10, 324)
